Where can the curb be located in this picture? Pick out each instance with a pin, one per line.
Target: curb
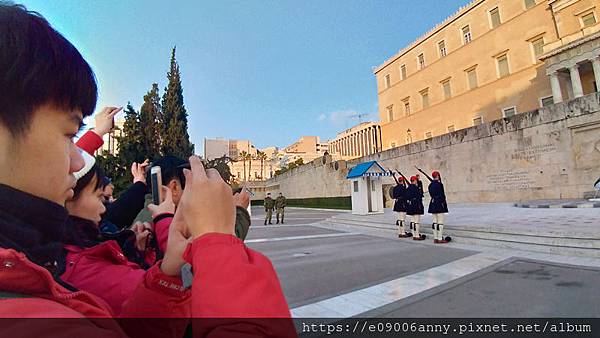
(556, 206)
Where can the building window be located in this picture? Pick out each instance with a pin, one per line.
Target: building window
(406, 102)
(355, 186)
(509, 111)
(546, 101)
(392, 144)
(442, 48)
(529, 3)
(388, 81)
(451, 128)
(421, 60)
(447, 89)
(478, 120)
(403, 72)
(408, 136)
(390, 113)
(428, 135)
(425, 98)
(537, 46)
(502, 62)
(495, 18)
(472, 78)
(588, 19)
(466, 33)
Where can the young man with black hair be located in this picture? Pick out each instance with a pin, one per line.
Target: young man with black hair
(47, 89)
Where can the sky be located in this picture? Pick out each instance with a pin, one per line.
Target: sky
(260, 70)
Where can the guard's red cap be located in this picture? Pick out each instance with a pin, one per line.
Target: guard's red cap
(400, 179)
(435, 174)
(413, 178)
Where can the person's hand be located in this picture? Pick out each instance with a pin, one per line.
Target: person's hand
(138, 170)
(104, 120)
(166, 206)
(242, 199)
(177, 242)
(206, 204)
(142, 232)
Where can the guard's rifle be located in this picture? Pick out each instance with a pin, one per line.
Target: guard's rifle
(404, 177)
(424, 173)
(394, 176)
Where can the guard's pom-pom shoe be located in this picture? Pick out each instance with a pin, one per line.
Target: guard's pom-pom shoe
(448, 238)
(423, 236)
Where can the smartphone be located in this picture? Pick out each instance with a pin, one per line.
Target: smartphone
(249, 191)
(156, 181)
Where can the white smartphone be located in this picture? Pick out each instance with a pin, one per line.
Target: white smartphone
(156, 181)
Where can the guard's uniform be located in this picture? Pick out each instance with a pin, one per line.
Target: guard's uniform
(269, 204)
(437, 208)
(399, 194)
(414, 208)
(280, 207)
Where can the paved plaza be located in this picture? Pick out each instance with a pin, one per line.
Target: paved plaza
(342, 271)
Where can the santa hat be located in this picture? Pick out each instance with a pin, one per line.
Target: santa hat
(89, 162)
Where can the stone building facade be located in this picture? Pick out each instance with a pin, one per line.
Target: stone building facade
(491, 59)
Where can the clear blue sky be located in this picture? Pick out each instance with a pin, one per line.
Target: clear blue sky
(267, 71)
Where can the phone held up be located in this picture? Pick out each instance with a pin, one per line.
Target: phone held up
(156, 181)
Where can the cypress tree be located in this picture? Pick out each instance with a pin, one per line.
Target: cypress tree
(174, 125)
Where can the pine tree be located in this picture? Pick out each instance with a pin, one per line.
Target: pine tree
(120, 175)
(130, 144)
(174, 125)
(149, 123)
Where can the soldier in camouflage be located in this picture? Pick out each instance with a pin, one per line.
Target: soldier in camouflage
(269, 205)
(280, 207)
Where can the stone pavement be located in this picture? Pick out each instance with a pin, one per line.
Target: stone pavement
(547, 204)
(340, 270)
(504, 216)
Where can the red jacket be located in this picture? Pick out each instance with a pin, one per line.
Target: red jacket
(230, 281)
(103, 270)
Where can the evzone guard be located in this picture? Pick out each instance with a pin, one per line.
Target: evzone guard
(437, 206)
(414, 207)
(399, 194)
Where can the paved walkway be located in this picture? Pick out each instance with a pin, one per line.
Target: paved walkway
(504, 216)
(338, 270)
(550, 204)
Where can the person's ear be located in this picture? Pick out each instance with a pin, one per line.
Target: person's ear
(174, 185)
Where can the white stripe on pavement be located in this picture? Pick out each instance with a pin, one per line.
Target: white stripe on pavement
(275, 226)
(360, 301)
(291, 238)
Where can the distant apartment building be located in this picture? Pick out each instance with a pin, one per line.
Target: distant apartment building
(307, 148)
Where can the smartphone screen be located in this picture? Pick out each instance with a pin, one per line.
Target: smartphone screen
(156, 181)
